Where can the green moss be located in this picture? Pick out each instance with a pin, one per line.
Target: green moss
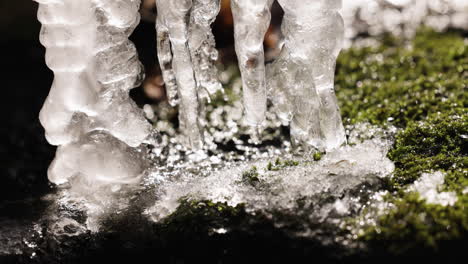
(200, 216)
(438, 143)
(399, 83)
(251, 176)
(228, 96)
(416, 224)
(317, 156)
(419, 87)
(279, 165)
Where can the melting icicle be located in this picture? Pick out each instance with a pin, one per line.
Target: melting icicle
(301, 80)
(186, 50)
(203, 46)
(172, 25)
(95, 66)
(251, 21)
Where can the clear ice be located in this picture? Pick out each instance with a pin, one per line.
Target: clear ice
(88, 112)
(301, 80)
(251, 22)
(187, 55)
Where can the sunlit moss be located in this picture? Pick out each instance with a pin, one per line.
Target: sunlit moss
(421, 88)
(399, 82)
(438, 143)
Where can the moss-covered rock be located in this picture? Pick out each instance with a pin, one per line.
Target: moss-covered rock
(400, 82)
(437, 143)
(414, 225)
(419, 87)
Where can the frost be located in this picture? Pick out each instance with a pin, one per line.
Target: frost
(428, 188)
(334, 176)
(220, 231)
(88, 107)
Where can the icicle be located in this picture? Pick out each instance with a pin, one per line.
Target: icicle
(186, 51)
(301, 80)
(203, 46)
(95, 65)
(165, 58)
(251, 21)
(173, 16)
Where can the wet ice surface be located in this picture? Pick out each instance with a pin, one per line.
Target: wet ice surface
(325, 192)
(277, 189)
(251, 21)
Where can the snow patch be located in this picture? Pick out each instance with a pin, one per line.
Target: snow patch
(428, 188)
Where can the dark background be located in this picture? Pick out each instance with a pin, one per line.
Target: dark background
(25, 81)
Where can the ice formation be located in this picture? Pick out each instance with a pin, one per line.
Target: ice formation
(428, 188)
(252, 19)
(301, 80)
(187, 53)
(88, 112)
(333, 176)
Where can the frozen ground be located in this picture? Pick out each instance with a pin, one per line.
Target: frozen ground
(323, 191)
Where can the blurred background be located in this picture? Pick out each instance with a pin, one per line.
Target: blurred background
(24, 153)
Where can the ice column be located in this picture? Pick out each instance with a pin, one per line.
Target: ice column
(251, 22)
(301, 80)
(186, 52)
(88, 112)
(203, 46)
